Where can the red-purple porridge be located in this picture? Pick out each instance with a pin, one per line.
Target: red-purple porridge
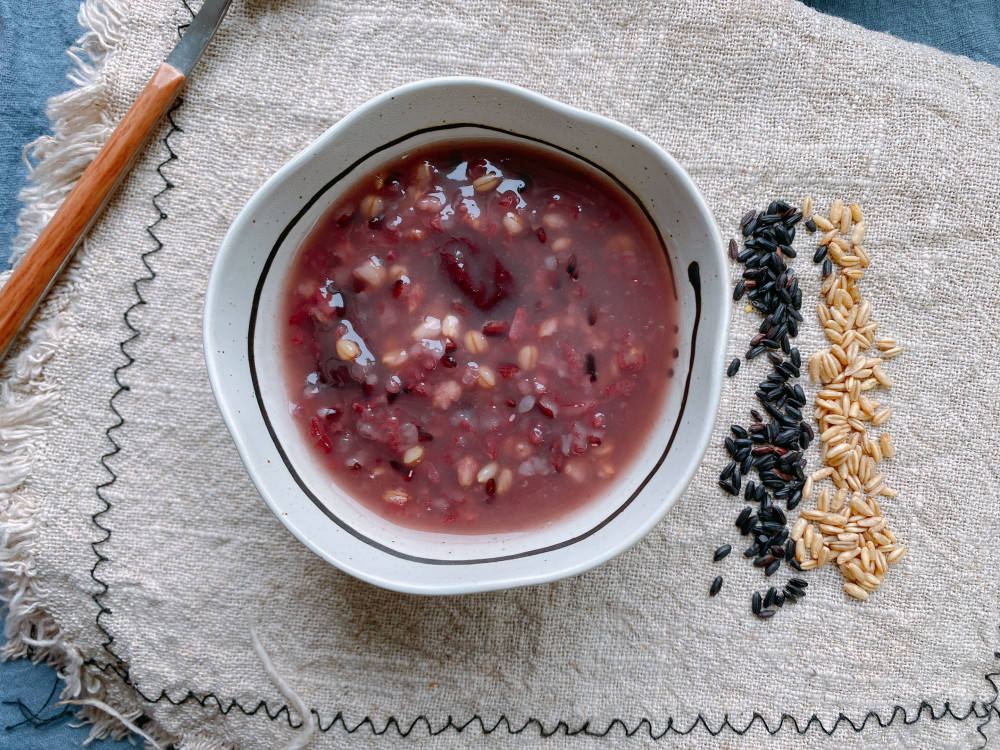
(479, 337)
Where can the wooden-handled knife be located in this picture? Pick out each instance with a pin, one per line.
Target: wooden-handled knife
(38, 269)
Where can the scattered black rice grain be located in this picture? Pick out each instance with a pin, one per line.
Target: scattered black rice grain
(827, 268)
(771, 569)
(731, 448)
(798, 582)
(716, 586)
(756, 603)
(769, 597)
(820, 255)
(721, 552)
(734, 249)
(734, 367)
(794, 590)
(766, 613)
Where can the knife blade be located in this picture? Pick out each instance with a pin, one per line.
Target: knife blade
(34, 275)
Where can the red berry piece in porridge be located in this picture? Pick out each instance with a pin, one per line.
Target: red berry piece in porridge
(478, 338)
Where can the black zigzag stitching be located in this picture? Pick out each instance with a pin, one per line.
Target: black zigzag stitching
(122, 388)
(644, 726)
(990, 705)
(161, 215)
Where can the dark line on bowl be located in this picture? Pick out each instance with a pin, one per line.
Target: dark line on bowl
(694, 277)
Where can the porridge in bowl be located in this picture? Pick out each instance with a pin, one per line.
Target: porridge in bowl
(477, 338)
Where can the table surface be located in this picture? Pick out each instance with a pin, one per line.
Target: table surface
(34, 37)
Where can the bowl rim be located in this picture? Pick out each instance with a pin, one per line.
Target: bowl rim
(695, 445)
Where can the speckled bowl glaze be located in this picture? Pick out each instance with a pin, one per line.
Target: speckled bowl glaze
(241, 330)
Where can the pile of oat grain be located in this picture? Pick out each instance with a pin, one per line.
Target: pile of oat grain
(847, 525)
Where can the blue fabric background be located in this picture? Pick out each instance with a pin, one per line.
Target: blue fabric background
(34, 35)
(28, 718)
(963, 27)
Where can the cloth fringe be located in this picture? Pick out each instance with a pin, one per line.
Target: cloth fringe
(81, 123)
(200, 743)
(108, 711)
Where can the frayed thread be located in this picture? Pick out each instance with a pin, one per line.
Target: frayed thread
(106, 709)
(200, 743)
(308, 726)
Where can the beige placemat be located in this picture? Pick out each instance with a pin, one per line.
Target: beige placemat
(137, 554)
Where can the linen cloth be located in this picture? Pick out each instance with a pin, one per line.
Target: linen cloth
(759, 101)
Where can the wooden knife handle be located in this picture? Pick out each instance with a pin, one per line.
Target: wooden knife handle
(38, 269)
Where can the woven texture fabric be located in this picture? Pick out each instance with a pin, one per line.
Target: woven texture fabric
(757, 100)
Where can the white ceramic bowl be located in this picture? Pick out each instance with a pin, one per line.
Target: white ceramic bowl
(243, 354)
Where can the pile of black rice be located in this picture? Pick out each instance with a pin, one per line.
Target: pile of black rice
(772, 446)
